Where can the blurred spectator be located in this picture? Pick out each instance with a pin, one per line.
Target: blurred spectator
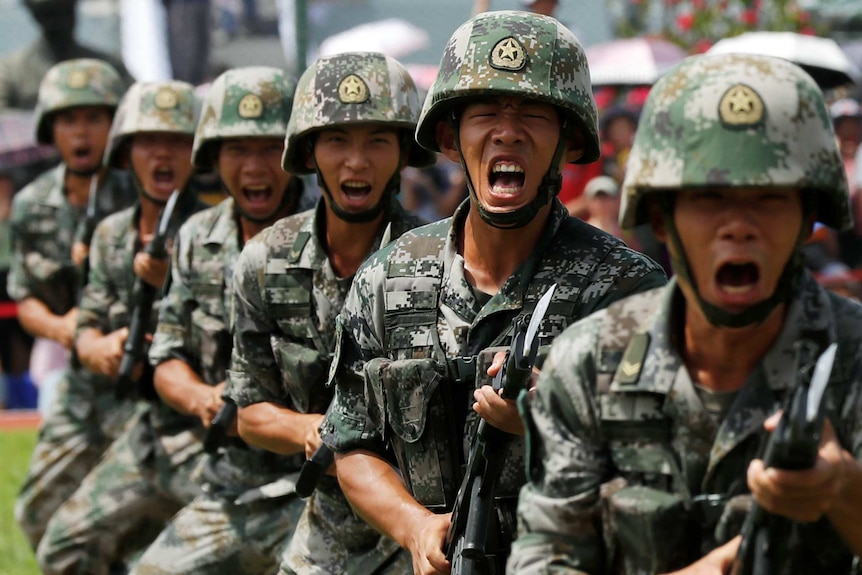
(602, 198)
(546, 7)
(841, 280)
(847, 120)
(189, 39)
(433, 193)
(22, 71)
(618, 127)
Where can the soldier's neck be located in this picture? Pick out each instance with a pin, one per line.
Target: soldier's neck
(348, 244)
(77, 187)
(491, 255)
(722, 359)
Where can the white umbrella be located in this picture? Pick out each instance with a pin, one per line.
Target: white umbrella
(821, 57)
(632, 61)
(393, 36)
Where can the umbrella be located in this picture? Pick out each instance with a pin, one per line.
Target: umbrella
(18, 145)
(393, 36)
(632, 61)
(821, 57)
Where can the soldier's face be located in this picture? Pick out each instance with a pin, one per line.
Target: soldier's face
(251, 170)
(507, 144)
(162, 162)
(737, 242)
(81, 135)
(356, 162)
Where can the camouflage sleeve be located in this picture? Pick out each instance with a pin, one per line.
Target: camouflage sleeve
(623, 272)
(16, 283)
(559, 526)
(170, 340)
(254, 376)
(348, 425)
(100, 300)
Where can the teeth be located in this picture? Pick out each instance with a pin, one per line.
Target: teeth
(355, 185)
(734, 290)
(257, 188)
(498, 168)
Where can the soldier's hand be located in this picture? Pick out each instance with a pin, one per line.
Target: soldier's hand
(151, 270)
(501, 413)
(806, 495)
(312, 436)
(105, 357)
(65, 333)
(497, 364)
(426, 546)
(209, 403)
(716, 562)
(80, 251)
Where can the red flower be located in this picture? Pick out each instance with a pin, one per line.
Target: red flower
(701, 46)
(749, 17)
(685, 21)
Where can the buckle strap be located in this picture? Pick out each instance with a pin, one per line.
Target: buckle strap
(462, 369)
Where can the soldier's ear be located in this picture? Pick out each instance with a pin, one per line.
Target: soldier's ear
(575, 147)
(446, 141)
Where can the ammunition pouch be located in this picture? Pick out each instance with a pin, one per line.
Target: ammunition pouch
(304, 371)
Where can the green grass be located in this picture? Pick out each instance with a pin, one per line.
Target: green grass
(16, 557)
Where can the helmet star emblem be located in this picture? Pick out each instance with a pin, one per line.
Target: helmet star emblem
(352, 90)
(250, 106)
(508, 54)
(741, 106)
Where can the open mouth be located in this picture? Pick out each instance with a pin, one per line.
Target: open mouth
(506, 178)
(163, 176)
(257, 194)
(82, 153)
(737, 278)
(355, 190)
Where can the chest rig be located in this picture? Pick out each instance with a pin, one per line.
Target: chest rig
(302, 352)
(424, 389)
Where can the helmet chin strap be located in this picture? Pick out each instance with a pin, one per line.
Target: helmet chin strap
(291, 193)
(548, 188)
(755, 314)
(84, 173)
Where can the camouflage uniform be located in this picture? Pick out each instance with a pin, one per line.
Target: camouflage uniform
(287, 296)
(630, 468)
(145, 476)
(44, 227)
(236, 525)
(412, 326)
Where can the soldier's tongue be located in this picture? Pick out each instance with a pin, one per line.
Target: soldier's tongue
(355, 190)
(506, 178)
(734, 278)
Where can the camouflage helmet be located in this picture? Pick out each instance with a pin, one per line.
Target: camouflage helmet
(169, 107)
(352, 88)
(73, 83)
(243, 102)
(736, 120)
(512, 53)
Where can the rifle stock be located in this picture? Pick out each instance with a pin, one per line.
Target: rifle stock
(313, 470)
(133, 348)
(793, 445)
(219, 427)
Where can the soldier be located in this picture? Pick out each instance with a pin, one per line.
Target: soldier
(77, 100)
(512, 103)
(352, 125)
(21, 71)
(648, 415)
(241, 134)
(144, 477)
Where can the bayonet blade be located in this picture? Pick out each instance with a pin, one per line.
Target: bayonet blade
(536, 319)
(819, 379)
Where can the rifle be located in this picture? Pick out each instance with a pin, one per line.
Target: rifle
(467, 536)
(91, 219)
(312, 470)
(133, 348)
(219, 427)
(792, 446)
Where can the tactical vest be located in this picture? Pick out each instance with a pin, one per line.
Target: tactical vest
(651, 521)
(302, 353)
(420, 390)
